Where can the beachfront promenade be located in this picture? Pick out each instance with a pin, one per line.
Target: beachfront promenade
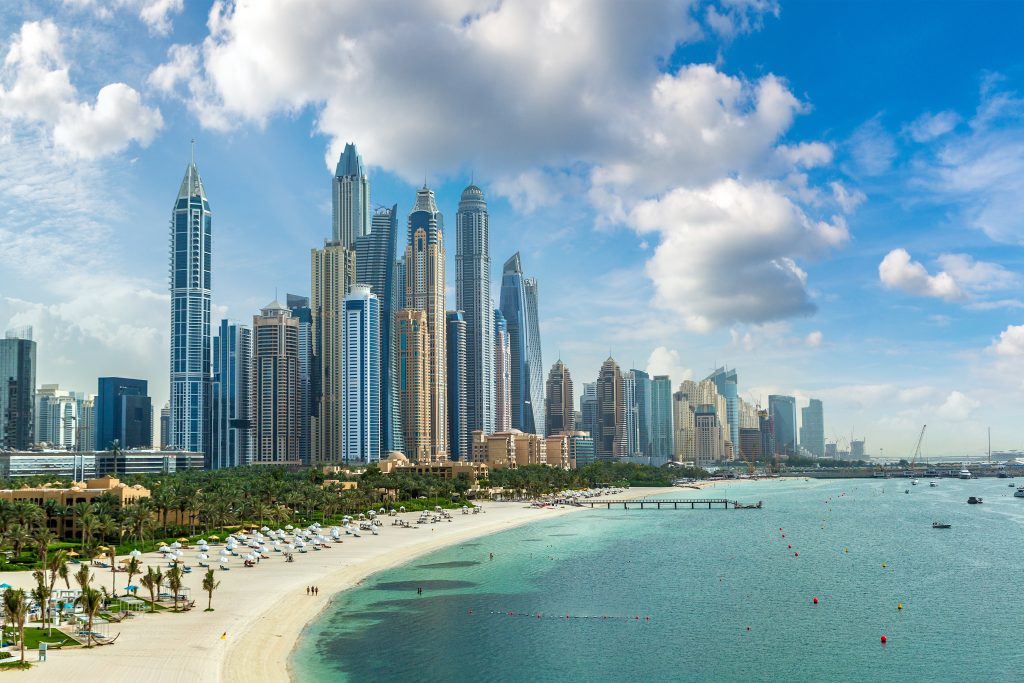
(260, 611)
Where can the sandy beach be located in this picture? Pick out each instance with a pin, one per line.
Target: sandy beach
(261, 611)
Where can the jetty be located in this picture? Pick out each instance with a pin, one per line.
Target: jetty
(673, 504)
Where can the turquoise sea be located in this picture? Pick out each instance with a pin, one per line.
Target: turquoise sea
(727, 600)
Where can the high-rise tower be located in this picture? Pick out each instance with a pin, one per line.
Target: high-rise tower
(458, 423)
(502, 375)
(519, 306)
(411, 370)
(812, 428)
(275, 386)
(362, 376)
(473, 298)
(425, 291)
(299, 306)
(191, 254)
(231, 432)
(782, 410)
(727, 386)
(375, 266)
(561, 402)
(350, 198)
(610, 440)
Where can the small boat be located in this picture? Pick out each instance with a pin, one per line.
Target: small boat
(1019, 493)
(940, 525)
(965, 474)
(914, 483)
(973, 501)
(1011, 484)
(907, 491)
(933, 484)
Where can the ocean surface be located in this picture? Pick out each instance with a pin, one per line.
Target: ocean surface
(707, 595)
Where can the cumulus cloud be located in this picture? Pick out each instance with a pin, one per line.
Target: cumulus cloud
(1010, 342)
(957, 407)
(929, 126)
(666, 361)
(35, 88)
(872, 148)
(730, 18)
(155, 14)
(814, 339)
(961, 278)
(848, 201)
(749, 231)
(898, 271)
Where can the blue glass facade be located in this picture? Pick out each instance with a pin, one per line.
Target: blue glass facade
(17, 392)
(727, 385)
(124, 413)
(191, 250)
(231, 397)
(519, 306)
(458, 424)
(362, 405)
(782, 410)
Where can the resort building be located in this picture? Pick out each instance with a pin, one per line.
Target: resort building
(581, 449)
(397, 463)
(557, 451)
(510, 449)
(79, 492)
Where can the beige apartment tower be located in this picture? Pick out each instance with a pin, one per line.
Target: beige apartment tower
(275, 386)
(561, 401)
(333, 273)
(610, 439)
(411, 373)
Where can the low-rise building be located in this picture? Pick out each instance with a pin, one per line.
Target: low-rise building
(79, 492)
(397, 463)
(82, 465)
(510, 449)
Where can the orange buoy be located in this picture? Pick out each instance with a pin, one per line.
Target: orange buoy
(899, 605)
(884, 640)
(815, 601)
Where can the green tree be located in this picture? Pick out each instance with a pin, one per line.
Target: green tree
(210, 584)
(91, 602)
(16, 611)
(174, 580)
(151, 581)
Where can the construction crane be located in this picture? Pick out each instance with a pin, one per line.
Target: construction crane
(917, 449)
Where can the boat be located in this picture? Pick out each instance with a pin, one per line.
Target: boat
(965, 473)
(907, 491)
(1019, 493)
(940, 525)
(933, 484)
(914, 483)
(973, 501)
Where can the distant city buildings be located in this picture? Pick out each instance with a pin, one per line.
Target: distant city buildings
(56, 417)
(502, 375)
(662, 445)
(783, 413)
(610, 428)
(413, 389)
(301, 311)
(350, 199)
(812, 428)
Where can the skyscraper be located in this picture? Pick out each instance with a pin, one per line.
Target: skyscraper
(519, 307)
(56, 415)
(684, 407)
(642, 401)
(458, 413)
(375, 266)
(662, 442)
(86, 424)
(560, 401)
(124, 413)
(473, 298)
(425, 291)
(231, 397)
(350, 194)
(783, 413)
(299, 306)
(412, 369)
(726, 384)
(191, 253)
(812, 428)
(362, 376)
(610, 440)
(588, 408)
(502, 375)
(275, 410)
(333, 272)
(165, 425)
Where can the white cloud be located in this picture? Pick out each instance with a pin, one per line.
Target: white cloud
(848, 201)
(666, 361)
(814, 339)
(806, 154)
(40, 92)
(957, 407)
(977, 276)
(929, 126)
(872, 148)
(734, 17)
(898, 271)
(1010, 342)
(155, 14)
(727, 252)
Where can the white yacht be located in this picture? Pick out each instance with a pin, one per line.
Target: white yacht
(965, 473)
(933, 484)
(1019, 493)
(914, 482)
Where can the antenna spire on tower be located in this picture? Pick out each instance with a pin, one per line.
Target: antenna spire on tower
(193, 151)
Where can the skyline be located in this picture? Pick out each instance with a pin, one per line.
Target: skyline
(895, 338)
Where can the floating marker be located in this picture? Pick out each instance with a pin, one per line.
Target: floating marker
(884, 565)
(899, 605)
(796, 554)
(884, 640)
(815, 601)
(846, 550)
(789, 546)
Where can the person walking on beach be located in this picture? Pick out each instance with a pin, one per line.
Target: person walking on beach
(307, 590)
(316, 591)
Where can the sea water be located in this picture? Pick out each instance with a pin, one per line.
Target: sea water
(667, 595)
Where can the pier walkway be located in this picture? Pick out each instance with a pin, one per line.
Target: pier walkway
(674, 504)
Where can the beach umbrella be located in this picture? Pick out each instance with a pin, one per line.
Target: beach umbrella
(214, 537)
(135, 553)
(5, 586)
(131, 588)
(164, 549)
(72, 554)
(124, 560)
(203, 556)
(176, 545)
(103, 548)
(289, 527)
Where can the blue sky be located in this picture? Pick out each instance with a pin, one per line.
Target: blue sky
(827, 196)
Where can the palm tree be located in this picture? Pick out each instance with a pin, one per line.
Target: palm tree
(82, 577)
(174, 575)
(91, 601)
(113, 571)
(152, 580)
(210, 584)
(15, 610)
(88, 521)
(133, 567)
(41, 594)
(54, 564)
(42, 538)
(62, 572)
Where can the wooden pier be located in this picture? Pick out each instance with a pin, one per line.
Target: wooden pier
(675, 504)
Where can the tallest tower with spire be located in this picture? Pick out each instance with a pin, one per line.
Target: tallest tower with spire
(350, 198)
(191, 247)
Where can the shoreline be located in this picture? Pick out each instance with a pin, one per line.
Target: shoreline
(260, 613)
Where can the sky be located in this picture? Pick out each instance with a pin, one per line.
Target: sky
(828, 197)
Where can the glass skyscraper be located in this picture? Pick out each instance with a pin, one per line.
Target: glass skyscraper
(726, 384)
(231, 431)
(375, 266)
(519, 306)
(782, 410)
(124, 413)
(502, 375)
(662, 445)
(17, 393)
(191, 247)
(458, 423)
(812, 428)
(350, 193)
(299, 306)
(362, 405)
(473, 298)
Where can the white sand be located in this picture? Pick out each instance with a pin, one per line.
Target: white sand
(262, 609)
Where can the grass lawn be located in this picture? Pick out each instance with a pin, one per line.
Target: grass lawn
(34, 635)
